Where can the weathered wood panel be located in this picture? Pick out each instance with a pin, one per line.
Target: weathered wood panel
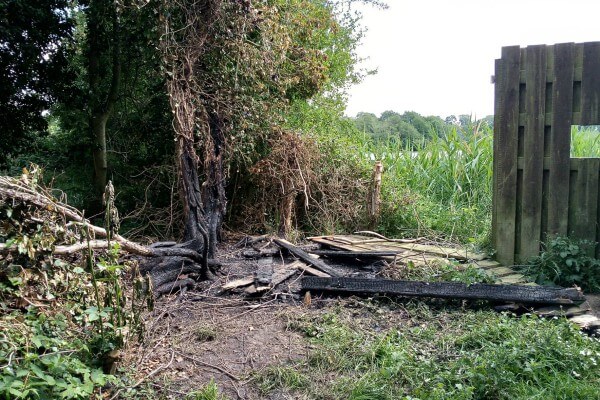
(590, 84)
(531, 208)
(584, 204)
(560, 138)
(506, 128)
(538, 189)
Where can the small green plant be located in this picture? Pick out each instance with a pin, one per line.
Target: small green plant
(286, 377)
(205, 333)
(566, 262)
(61, 318)
(208, 392)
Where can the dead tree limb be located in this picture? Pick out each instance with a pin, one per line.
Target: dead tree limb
(164, 263)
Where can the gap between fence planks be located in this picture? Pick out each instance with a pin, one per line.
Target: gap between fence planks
(451, 290)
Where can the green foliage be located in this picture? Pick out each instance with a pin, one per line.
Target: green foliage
(280, 377)
(32, 68)
(448, 354)
(438, 272)
(443, 188)
(208, 392)
(409, 130)
(566, 262)
(585, 141)
(43, 358)
(60, 318)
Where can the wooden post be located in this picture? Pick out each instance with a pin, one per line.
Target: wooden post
(374, 200)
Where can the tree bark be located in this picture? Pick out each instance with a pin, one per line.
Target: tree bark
(215, 202)
(103, 47)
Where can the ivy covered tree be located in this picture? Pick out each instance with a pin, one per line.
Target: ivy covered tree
(234, 69)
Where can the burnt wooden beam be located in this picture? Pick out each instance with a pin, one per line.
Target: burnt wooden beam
(304, 256)
(447, 290)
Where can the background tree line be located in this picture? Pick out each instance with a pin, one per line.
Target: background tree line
(411, 129)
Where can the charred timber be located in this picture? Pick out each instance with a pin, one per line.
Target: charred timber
(304, 256)
(447, 290)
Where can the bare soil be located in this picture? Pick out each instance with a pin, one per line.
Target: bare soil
(207, 334)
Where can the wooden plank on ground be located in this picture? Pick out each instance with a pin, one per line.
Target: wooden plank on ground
(560, 138)
(304, 256)
(560, 311)
(284, 272)
(448, 252)
(587, 321)
(264, 271)
(533, 151)
(354, 254)
(454, 290)
(486, 264)
(512, 279)
(312, 271)
(238, 283)
(590, 84)
(339, 245)
(500, 271)
(506, 127)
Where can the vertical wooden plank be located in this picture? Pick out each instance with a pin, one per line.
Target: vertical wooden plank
(598, 219)
(496, 80)
(506, 128)
(590, 84)
(560, 138)
(533, 168)
(585, 204)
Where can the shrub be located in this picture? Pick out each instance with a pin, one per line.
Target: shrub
(566, 262)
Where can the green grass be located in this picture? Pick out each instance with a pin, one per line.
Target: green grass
(442, 354)
(585, 141)
(443, 189)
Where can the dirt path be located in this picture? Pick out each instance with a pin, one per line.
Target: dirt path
(198, 338)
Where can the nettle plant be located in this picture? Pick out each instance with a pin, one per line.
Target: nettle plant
(566, 262)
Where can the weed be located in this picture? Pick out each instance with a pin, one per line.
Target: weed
(280, 377)
(566, 262)
(205, 333)
(208, 392)
(447, 355)
(438, 272)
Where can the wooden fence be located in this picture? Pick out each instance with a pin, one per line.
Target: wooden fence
(538, 189)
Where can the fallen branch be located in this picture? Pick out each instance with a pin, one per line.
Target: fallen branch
(448, 290)
(162, 261)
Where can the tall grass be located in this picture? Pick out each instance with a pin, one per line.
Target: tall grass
(444, 187)
(585, 141)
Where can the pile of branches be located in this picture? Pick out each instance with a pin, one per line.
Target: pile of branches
(68, 232)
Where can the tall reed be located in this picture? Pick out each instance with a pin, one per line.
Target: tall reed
(444, 187)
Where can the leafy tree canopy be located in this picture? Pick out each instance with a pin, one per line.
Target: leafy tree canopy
(32, 66)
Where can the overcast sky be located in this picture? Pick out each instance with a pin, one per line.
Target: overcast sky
(437, 57)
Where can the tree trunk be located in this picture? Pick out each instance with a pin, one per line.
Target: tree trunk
(215, 202)
(98, 129)
(104, 48)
